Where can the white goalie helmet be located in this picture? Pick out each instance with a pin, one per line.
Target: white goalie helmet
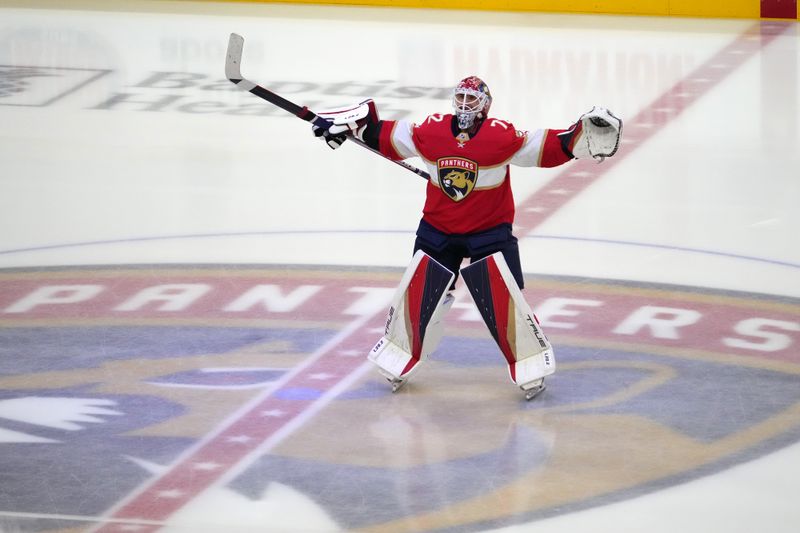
(471, 100)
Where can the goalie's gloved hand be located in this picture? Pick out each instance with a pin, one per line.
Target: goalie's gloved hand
(598, 136)
(332, 140)
(352, 120)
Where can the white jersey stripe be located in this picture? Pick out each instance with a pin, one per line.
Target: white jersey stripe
(530, 155)
(402, 141)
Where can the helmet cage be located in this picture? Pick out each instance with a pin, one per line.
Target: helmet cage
(468, 104)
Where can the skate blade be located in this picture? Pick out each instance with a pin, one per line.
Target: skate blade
(397, 384)
(530, 394)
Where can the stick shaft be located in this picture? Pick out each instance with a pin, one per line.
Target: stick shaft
(234, 74)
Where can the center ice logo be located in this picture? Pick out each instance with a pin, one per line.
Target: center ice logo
(122, 379)
(457, 176)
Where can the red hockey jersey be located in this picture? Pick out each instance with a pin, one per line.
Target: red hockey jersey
(470, 189)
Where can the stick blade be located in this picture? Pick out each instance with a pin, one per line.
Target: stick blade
(233, 61)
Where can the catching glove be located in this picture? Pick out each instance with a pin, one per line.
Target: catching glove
(599, 135)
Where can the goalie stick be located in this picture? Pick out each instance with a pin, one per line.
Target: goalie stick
(234, 74)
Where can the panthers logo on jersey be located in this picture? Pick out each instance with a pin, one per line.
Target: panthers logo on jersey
(457, 176)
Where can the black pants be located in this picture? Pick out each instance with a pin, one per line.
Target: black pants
(451, 249)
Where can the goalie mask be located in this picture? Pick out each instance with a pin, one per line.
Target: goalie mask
(471, 100)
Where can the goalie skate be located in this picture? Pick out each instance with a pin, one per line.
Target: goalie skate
(533, 389)
(396, 384)
(393, 380)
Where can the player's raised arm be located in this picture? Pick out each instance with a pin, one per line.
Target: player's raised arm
(392, 138)
(596, 134)
(361, 123)
(353, 120)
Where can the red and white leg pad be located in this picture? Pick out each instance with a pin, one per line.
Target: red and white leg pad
(414, 327)
(510, 320)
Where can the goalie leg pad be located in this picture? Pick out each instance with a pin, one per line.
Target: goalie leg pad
(413, 326)
(510, 320)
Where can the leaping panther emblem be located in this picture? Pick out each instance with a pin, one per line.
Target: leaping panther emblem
(457, 177)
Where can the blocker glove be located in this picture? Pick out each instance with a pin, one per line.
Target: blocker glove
(352, 120)
(334, 140)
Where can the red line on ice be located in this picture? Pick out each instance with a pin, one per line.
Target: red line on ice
(578, 176)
